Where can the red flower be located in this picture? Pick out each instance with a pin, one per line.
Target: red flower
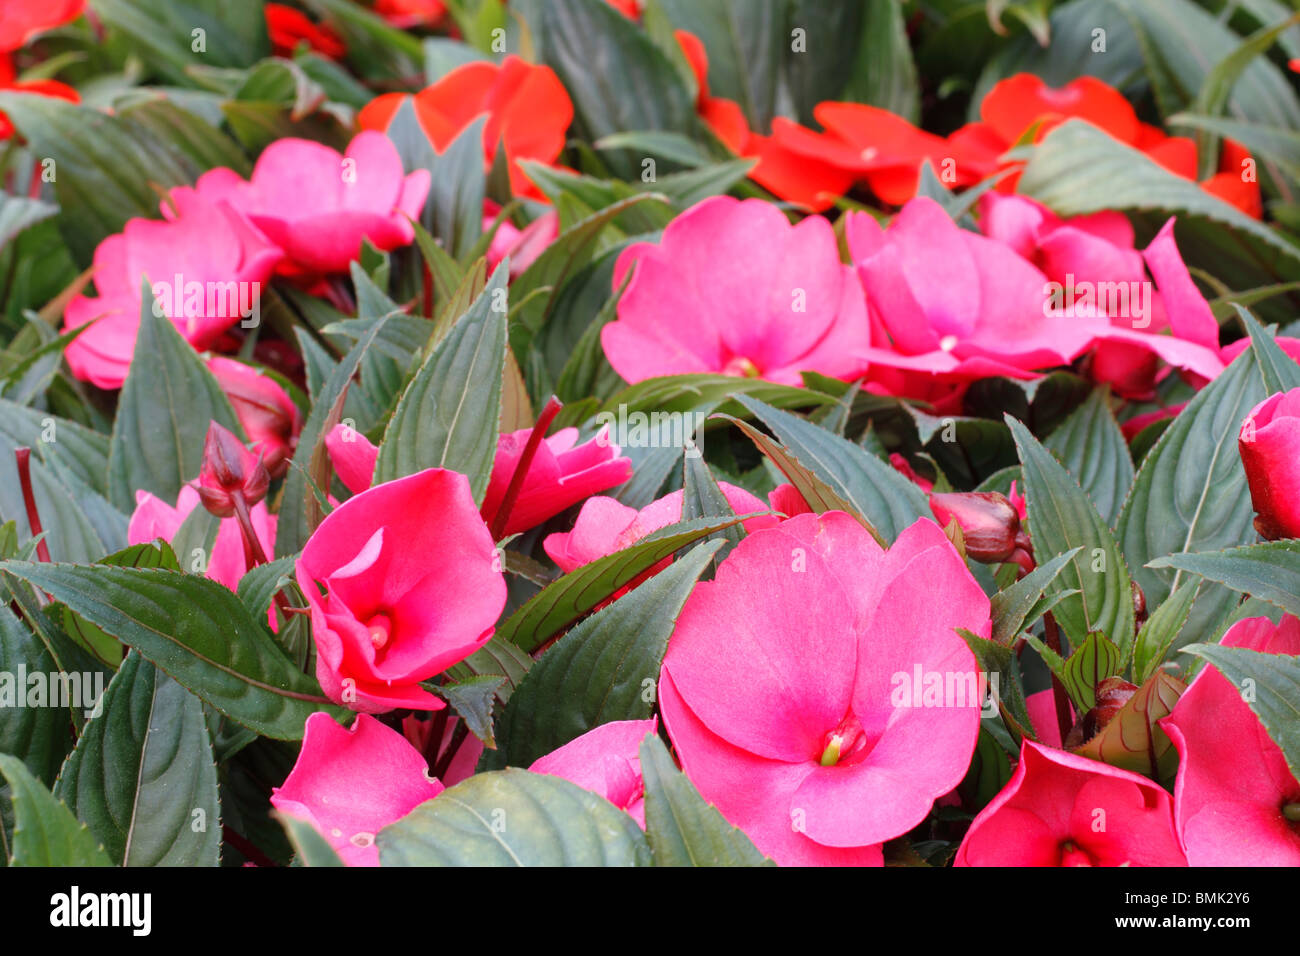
(289, 27)
(406, 14)
(20, 20)
(527, 107)
(8, 81)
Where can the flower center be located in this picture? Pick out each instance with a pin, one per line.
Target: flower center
(1073, 855)
(847, 743)
(741, 367)
(380, 628)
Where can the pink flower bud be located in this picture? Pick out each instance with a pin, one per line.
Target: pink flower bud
(229, 469)
(1268, 442)
(987, 519)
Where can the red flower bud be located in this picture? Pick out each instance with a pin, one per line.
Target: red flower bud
(266, 412)
(1268, 442)
(229, 469)
(988, 521)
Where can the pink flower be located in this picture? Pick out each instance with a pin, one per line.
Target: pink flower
(793, 685)
(407, 570)
(319, 205)
(1094, 255)
(605, 760)
(266, 412)
(734, 288)
(561, 474)
(153, 518)
(1235, 799)
(1059, 809)
(1269, 444)
(350, 784)
(605, 526)
(955, 304)
(787, 500)
(191, 262)
(418, 730)
(523, 246)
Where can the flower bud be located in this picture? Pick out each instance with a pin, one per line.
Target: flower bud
(988, 522)
(228, 469)
(1112, 694)
(266, 412)
(1269, 444)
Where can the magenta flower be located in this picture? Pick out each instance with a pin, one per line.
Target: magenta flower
(604, 526)
(266, 412)
(402, 581)
(153, 518)
(1095, 255)
(734, 288)
(561, 474)
(353, 456)
(350, 784)
(799, 685)
(523, 246)
(955, 304)
(206, 266)
(1059, 809)
(605, 760)
(1235, 799)
(319, 205)
(1269, 445)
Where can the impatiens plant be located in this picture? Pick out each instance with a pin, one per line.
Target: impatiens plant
(650, 433)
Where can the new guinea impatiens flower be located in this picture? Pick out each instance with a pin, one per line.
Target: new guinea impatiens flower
(605, 525)
(1092, 260)
(318, 205)
(528, 113)
(403, 582)
(792, 685)
(955, 304)
(206, 245)
(561, 474)
(605, 760)
(21, 20)
(1269, 444)
(1059, 809)
(1235, 800)
(154, 518)
(734, 288)
(351, 783)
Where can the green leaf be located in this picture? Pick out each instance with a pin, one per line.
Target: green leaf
(1276, 682)
(1212, 99)
(104, 168)
(565, 600)
(1279, 370)
(744, 41)
(514, 818)
(472, 700)
(496, 658)
(38, 735)
(45, 831)
(587, 41)
(142, 776)
(1269, 571)
(169, 400)
(1158, 633)
(309, 847)
(1091, 447)
(299, 511)
(702, 498)
(1062, 518)
(453, 210)
(1091, 663)
(999, 660)
(1272, 144)
(1012, 606)
(1191, 495)
(447, 417)
(874, 489)
(884, 74)
(681, 828)
(234, 32)
(606, 668)
(18, 213)
(197, 632)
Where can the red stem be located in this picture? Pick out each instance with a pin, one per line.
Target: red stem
(254, 554)
(23, 457)
(244, 846)
(1053, 640)
(502, 517)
